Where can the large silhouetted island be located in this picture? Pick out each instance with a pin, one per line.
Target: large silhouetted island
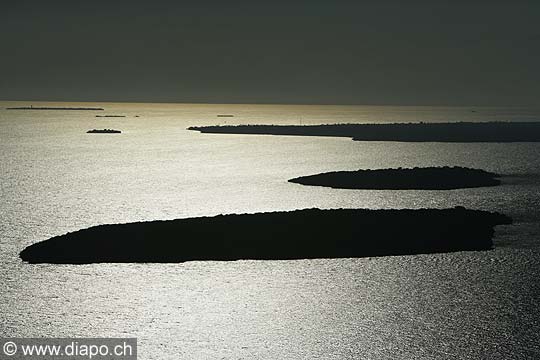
(430, 178)
(301, 234)
(440, 132)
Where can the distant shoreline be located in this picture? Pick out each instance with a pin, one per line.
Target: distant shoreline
(407, 132)
(54, 108)
(300, 234)
(430, 178)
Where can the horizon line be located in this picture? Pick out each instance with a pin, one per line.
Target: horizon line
(272, 103)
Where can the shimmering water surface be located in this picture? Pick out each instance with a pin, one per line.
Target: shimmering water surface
(56, 178)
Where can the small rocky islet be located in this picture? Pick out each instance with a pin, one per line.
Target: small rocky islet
(104, 131)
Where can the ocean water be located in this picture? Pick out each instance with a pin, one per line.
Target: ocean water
(56, 178)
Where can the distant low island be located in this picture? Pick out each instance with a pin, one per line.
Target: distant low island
(111, 116)
(55, 108)
(103, 131)
(429, 178)
(300, 234)
(409, 132)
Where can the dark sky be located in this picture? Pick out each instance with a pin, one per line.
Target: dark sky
(475, 52)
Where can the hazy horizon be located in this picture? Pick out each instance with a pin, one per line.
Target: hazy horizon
(340, 53)
(97, 102)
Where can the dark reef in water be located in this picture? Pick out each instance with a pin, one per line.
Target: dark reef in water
(54, 108)
(430, 178)
(300, 234)
(437, 132)
(103, 131)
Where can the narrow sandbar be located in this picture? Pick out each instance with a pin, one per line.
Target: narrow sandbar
(55, 108)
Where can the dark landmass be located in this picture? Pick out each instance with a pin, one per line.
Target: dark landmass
(225, 115)
(439, 132)
(54, 108)
(301, 234)
(111, 116)
(430, 178)
(103, 131)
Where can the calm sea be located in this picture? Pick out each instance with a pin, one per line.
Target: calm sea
(56, 179)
